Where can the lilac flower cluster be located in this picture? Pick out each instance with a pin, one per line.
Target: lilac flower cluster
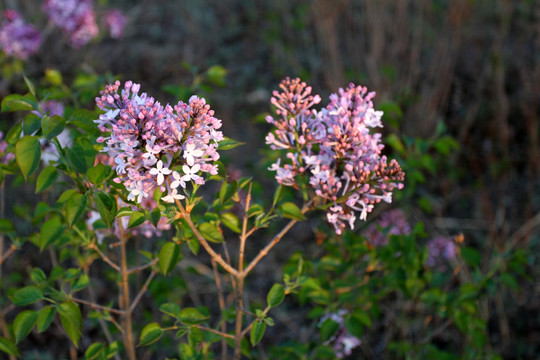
(115, 21)
(17, 38)
(5, 157)
(76, 18)
(441, 249)
(335, 148)
(344, 342)
(157, 146)
(391, 222)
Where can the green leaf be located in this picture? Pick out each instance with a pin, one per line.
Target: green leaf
(38, 276)
(46, 178)
(14, 134)
(155, 216)
(362, 317)
(30, 85)
(216, 75)
(125, 211)
(255, 210)
(275, 295)
(81, 155)
(52, 126)
(98, 173)
(471, 256)
(16, 102)
(45, 318)
(8, 347)
(191, 316)
(136, 219)
(28, 154)
(328, 329)
(168, 257)
(6, 226)
(195, 336)
(395, 142)
(94, 351)
(194, 246)
(171, 309)
(150, 334)
(106, 206)
(228, 144)
(23, 323)
(70, 317)
(227, 191)
(291, 211)
(74, 208)
(257, 332)
(231, 221)
(27, 295)
(211, 232)
(81, 283)
(278, 194)
(31, 123)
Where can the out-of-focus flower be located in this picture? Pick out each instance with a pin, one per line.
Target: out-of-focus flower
(5, 157)
(115, 21)
(76, 18)
(50, 107)
(441, 249)
(17, 38)
(335, 148)
(343, 341)
(154, 145)
(393, 222)
(49, 152)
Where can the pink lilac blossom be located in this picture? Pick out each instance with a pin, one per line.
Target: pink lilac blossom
(17, 38)
(441, 249)
(115, 21)
(343, 341)
(155, 146)
(5, 157)
(76, 18)
(335, 148)
(393, 222)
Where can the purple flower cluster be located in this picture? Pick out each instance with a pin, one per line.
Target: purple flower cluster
(441, 249)
(75, 17)
(157, 146)
(115, 21)
(5, 157)
(393, 222)
(17, 38)
(344, 342)
(335, 148)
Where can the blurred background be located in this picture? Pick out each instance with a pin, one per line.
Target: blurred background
(459, 82)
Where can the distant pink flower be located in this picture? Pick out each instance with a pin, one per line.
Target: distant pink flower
(115, 21)
(336, 148)
(393, 222)
(17, 38)
(76, 18)
(342, 342)
(441, 249)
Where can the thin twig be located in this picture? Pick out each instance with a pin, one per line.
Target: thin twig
(217, 257)
(5, 255)
(99, 307)
(142, 267)
(229, 336)
(104, 257)
(142, 291)
(221, 301)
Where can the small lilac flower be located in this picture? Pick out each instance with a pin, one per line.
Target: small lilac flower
(441, 249)
(160, 172)
(335, 147)
(17, 38)
(343, 341)
(76, 18)
(147, 136)
(115, 21)
(393, 222)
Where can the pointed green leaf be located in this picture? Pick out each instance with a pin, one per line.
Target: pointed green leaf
(14, 134)
(81, 283)
(211, 232)
(278, 194)
(16, 102)
(52, 126)
(28, 154)
(6, 226)
(98, 173)
(81, 155)
(50, 231)
(228, 144)
(227, 191)
(257, 332)
(30, 85)
(45, 318)
(150, 334)
(291, 211)
(23, 323)
(168, 257)
(70, 317)
(328, 329)
(94, 351)
(275, 295)
(136, 219)
(191, 316)
(171, 309)
(27, 295)
(74, 207)
(8, 347)
(231, 221)
(31, 123)
(155, 216)
(46, 178)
